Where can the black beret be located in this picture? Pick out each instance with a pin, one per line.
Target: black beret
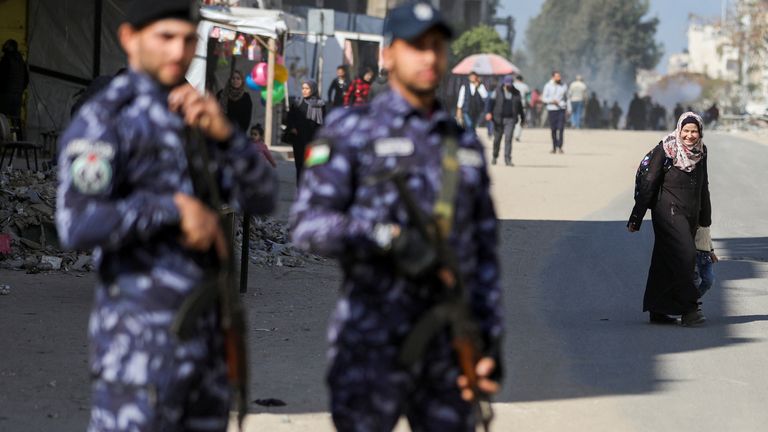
(141, 13)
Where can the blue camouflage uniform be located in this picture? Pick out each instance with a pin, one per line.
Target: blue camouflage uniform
(121, 161)
(338, 207)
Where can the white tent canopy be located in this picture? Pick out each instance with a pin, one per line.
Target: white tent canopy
(262, 22)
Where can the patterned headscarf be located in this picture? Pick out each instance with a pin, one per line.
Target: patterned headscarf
(685, 158)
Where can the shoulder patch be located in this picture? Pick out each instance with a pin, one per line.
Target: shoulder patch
(91, 168)
(91, 173)
(80, 147)
(318, 153)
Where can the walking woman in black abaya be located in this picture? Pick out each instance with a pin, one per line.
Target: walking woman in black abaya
(673, 183)
(305, 117)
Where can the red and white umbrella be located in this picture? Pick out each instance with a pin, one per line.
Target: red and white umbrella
(485, 64)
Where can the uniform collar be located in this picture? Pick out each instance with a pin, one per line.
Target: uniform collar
(393, 103)
(145, 84)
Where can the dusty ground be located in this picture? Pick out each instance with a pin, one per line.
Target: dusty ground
(580, 354)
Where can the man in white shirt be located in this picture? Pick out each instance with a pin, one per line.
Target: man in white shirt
(556, 99)
(525, 95)
(577, 94)
(471, 104)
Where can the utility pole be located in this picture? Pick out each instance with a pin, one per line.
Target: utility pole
(509, 23)
(320, 59)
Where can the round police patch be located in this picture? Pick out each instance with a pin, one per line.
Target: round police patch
(91, 173)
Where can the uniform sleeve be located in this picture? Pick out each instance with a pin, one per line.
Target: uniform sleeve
(486, 298)
(320, 222)
(89, 211)
(648, 181)
(705, 215)
(460, 100)
(248, 181)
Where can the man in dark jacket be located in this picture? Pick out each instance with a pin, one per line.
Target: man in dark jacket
(505, 109)
(14, 78)
(338, 87)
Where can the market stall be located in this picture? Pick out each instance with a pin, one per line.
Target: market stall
(250, 41)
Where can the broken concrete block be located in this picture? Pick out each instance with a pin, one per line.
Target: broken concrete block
(52, 261)
(82, 262)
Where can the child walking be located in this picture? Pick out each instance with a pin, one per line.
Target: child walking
(705, 260)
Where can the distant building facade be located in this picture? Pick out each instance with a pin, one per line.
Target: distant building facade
(711, 53)
(678, 63)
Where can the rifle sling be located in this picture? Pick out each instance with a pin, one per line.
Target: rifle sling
(446, 200)
(447, 311)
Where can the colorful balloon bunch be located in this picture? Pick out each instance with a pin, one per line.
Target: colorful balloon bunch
(257, 80)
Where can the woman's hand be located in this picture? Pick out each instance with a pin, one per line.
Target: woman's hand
(632, 228)
(714, 257)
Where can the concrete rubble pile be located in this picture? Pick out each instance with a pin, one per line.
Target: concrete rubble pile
(271, 246)
(27, 207)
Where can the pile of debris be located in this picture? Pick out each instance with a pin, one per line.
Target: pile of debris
(28, 238)
(270, 244)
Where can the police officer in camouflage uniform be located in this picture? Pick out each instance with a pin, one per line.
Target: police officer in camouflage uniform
(126, 191)
(348, 210)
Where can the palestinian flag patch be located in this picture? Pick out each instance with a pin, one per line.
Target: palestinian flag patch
(317, 154)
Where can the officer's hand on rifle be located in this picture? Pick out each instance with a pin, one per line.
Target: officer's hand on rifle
(200, 228)
(200, 111)
(485, 384)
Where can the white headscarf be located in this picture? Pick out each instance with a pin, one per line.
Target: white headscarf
(685, 158)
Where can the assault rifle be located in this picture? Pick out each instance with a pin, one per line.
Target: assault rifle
(451, 311)
(220, 289)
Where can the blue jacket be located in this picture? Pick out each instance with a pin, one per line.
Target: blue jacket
(340, 202)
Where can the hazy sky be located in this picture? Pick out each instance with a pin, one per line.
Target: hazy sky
(672, 14)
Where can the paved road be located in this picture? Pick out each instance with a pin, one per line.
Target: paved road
(581, 353)
(581, 356)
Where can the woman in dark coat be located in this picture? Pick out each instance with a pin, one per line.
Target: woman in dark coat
(236, 102)
(673, 182)
(305, 117)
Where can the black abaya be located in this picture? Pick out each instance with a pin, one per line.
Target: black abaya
(305, 131)
(679, 203)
